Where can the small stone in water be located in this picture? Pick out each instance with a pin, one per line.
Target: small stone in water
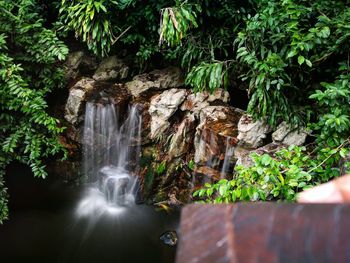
(169, 238)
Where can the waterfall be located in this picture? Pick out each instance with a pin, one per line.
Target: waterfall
(213, 156)
(111, 155)
(229, 152)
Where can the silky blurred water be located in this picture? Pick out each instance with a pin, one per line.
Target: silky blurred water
(44, 226)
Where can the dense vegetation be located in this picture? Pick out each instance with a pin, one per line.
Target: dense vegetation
(28, 72)
(292, 57)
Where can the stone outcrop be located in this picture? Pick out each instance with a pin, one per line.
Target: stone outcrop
(79, 64)
(198, 137)
(156, 80)
(289, 135)
(162, 107)
(252, 133)
(196, 102)
(76, 99)
(217, 130)
(181, 141)
(111, 69)
(88, 89)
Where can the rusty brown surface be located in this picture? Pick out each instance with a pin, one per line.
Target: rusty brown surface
(265, 232)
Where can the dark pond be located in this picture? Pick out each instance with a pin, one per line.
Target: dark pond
(44, 227)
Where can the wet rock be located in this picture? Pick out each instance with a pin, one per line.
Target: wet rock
(289, 135)
(196, 102)
(181, 140)
(162, 107)
(252, 133)
(76, 100)
(169, 238)
(111, 68)
(156, 80)
(88, 65)
(217, 131)
(219, 95)
(209, 172)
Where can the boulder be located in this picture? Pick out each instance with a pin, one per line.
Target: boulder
(110, 69)
(181, 141)
(76, 100)
(288, 135)
(72, 64)
(156, 80)
(219, 95)
(162, 107)
(77, 64)
(196, 102)
(217, 131)
(252, 133)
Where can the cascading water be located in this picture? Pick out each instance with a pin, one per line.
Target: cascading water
(215, 166)
(111, 155)
(229, 152)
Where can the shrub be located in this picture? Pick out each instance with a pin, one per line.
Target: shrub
(279, 177)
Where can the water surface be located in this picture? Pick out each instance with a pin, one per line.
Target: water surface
(44, 226)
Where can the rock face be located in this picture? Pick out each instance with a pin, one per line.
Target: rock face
(111, 69)
(196, 102)
(289, 136)
(72, 64)
(252, 133)
(162, 108)
(217, 131)
(79, 64)
(156, 80)
(88, 89)
(181, 141)
(76, 100)
(188, 138)
(264, 232)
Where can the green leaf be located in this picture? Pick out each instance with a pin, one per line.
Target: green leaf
(301, 60)
(292, 53)
(308, 62)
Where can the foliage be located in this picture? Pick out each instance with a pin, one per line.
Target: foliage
(333, 102)
(101, 24)
(91, 21)
(280, 48)
(208, 76)
(28, 53)
(274, 178)
(175, 23)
